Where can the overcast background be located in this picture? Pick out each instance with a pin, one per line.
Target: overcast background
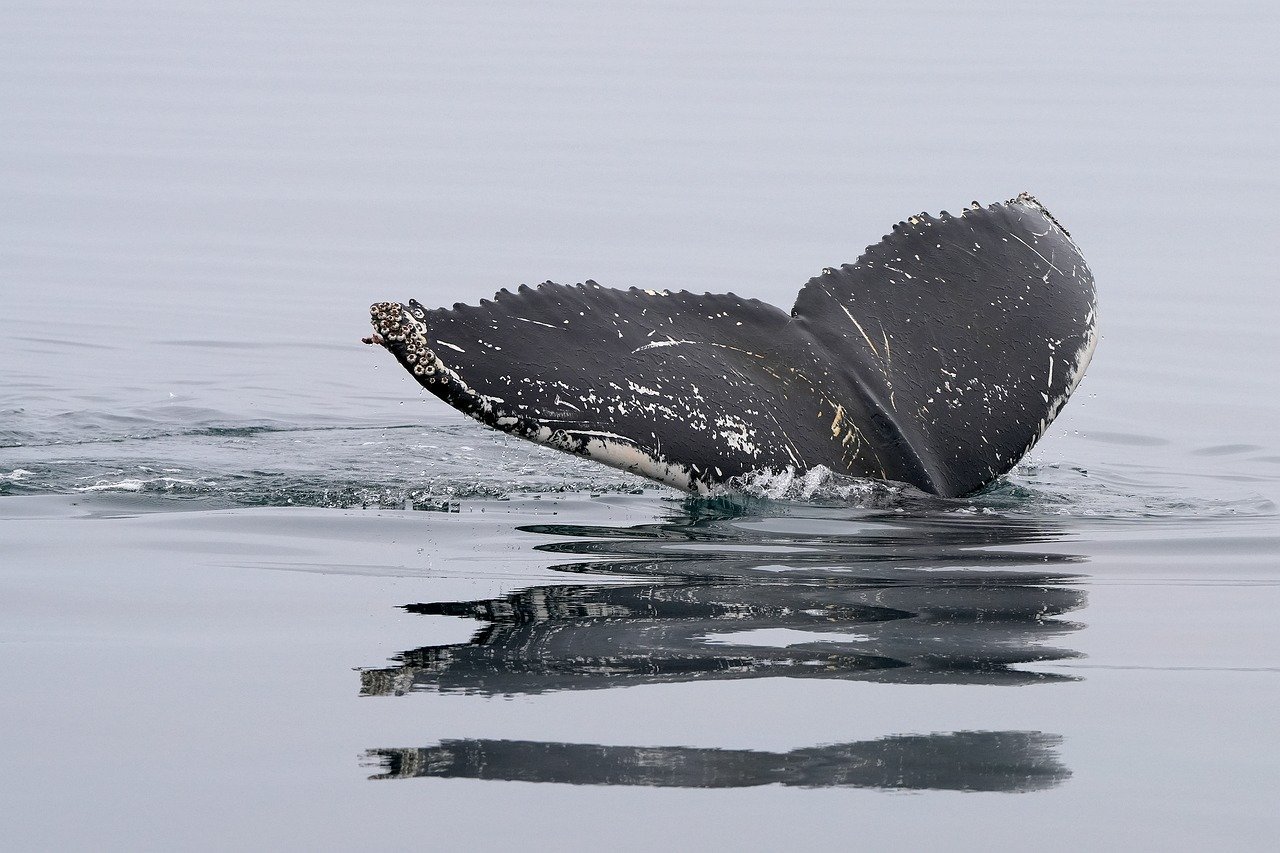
(250, 173)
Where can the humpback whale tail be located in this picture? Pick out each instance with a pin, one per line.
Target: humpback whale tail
(938, 359)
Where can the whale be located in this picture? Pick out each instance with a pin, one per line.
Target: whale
(937, 359)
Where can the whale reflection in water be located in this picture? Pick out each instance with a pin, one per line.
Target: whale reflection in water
(912, 602)
(808, 594)
(958, 761)
(589, 637)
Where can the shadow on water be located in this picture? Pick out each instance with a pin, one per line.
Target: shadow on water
(746, 590)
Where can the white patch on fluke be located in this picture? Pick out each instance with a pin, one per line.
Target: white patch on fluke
(738, 434)
(670, 342)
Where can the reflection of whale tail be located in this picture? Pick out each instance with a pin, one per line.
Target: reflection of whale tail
(937, 359)
(959, 761)
(597, 637)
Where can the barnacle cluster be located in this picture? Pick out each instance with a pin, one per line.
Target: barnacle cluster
(402, 331)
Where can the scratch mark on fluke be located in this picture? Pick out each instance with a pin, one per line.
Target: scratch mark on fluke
(693, 390)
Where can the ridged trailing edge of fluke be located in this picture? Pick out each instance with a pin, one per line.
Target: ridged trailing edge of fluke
(938, 358)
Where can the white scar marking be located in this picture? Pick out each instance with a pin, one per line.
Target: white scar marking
(1038, 255)
(450, 346)
(537, 322)
(599, 433)
(670, 342)
(858, 325)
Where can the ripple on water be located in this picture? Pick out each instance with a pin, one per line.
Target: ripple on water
(211, 461)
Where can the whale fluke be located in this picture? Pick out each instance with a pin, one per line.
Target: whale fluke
(937, 359)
